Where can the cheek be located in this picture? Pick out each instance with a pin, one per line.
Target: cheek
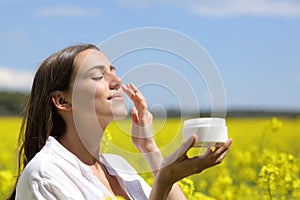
(101, 92)
(84, 97)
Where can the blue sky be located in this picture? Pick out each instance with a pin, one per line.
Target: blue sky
(255, 44)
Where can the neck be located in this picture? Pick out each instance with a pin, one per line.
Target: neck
(83, 142)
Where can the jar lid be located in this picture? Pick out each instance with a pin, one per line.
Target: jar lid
(205, 121)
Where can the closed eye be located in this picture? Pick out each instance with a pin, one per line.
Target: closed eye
(98, 78)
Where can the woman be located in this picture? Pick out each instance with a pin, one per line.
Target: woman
(59, 138)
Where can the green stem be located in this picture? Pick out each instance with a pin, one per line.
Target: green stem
(262, 139)
(269, 188)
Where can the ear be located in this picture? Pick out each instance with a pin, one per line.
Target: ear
(61, 102)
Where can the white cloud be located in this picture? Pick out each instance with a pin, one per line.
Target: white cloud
(65, 11)
(11, 79)
(281, 8)
(225, 8)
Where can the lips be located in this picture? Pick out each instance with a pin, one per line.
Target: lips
(116, 95)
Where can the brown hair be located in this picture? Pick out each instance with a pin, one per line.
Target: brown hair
(41, 118)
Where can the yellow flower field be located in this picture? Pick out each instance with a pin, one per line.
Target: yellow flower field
(263, 162)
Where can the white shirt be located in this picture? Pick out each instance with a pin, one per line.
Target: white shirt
(56, 173)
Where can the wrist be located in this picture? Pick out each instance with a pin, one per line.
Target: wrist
(147, 146)
(161, 187)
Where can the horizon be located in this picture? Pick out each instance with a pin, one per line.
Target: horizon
(254, 45)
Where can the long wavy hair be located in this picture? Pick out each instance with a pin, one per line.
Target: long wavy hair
(41, 118)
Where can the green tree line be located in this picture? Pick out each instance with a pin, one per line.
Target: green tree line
(12, 103)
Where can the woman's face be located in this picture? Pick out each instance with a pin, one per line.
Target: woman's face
(96, 88)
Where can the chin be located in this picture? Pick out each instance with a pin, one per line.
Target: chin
(120, 113)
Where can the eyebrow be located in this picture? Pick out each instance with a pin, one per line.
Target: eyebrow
(102, 67)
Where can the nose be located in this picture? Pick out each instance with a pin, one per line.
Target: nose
(115, 82)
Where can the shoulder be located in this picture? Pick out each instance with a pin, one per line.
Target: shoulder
(46, 174)
(31, 177)
(44, 163)
(35, 172)
(50, 161)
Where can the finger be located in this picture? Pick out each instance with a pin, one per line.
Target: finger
(187, 144)
(211, 158)
(182, 150)
(128, 91)
(133, 87)
(134, 115)
(133, 93)
(138, 100)
(222, 156)
(135, 90)
(219, 151)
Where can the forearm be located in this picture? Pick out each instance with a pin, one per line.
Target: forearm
(154, 159)
(160, 189)
(176, 193)
(163, 189)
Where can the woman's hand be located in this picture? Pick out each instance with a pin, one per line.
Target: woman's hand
(142, 133)
(178, 166)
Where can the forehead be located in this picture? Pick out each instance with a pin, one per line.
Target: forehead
(90, 58)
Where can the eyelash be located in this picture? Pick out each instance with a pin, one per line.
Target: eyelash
(111, 68)
(97, 78)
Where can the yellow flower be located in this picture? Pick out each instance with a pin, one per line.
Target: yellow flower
(187, 186)
(276, 124)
